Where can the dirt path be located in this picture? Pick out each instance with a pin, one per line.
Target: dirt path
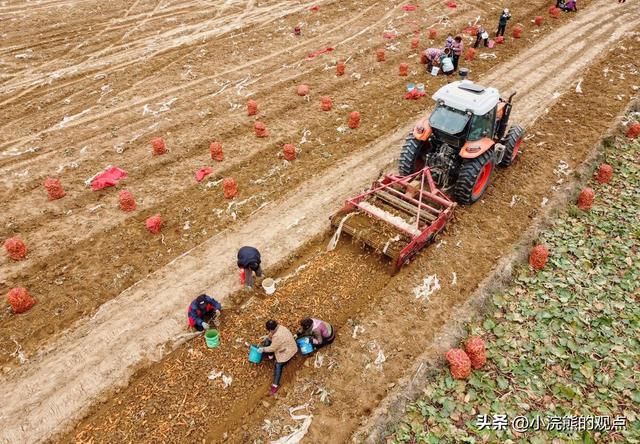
(468, 221)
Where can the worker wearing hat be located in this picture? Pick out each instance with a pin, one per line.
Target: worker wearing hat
(203, 310)
(502, 24)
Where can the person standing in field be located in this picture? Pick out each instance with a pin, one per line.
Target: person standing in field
(502, 24)
(457, 48)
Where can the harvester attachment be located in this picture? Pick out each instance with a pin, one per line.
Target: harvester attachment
(397, 216)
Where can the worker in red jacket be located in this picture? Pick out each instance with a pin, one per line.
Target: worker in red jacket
(202, 311)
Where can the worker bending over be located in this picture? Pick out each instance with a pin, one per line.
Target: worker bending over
(249, 261)
(278, 343)
(203, 310)
(320, 332)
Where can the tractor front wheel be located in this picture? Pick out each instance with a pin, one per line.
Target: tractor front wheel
(512, 143)
(411, 156)
(474, 177)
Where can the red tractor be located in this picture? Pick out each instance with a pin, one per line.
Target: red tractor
(463, 140)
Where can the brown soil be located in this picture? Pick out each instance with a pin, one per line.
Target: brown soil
(82, 250)
(72, 268)
(350, 288)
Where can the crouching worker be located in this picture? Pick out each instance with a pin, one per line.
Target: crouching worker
(320, 332)
(249, 262)
(278, 343)
(203, 311)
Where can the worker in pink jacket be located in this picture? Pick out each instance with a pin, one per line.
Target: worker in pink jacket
(321, 333)
(457, 47)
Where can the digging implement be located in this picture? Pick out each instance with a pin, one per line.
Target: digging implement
(397, 216)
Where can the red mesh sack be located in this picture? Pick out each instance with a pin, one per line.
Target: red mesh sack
(538, 257)
(404, 69)
(230, 188)
(354, 120)
(20, 300)
(16, 249)
(585, 198)
(605, 173)
(216, 151)
(634, 130)
(473, 31)
(380, 55)
(289, 152)
(415, 43)
(555, 12)
(297, 30)
(476, 351)
(54, 188)
(538, 20)
(158, 146)
(459, 363)
(261, 129)
(470, 54)
(154, 224)
(500, 40)
(517, 32)
(303, 90)
(433, 34)
(252, 108)
(340, 67)
(126, 200)
(326, 103)
(423, 58)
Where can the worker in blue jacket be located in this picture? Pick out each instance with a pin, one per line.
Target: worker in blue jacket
(202, 311)
(249, 261)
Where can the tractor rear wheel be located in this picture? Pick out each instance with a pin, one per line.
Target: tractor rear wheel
(512, 143)
(411, 156)
(474, 177)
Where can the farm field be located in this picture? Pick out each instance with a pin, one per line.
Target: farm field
(105, 354)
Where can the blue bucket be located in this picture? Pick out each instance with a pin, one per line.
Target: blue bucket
(305, 345)
(255, 356)
(410, 86)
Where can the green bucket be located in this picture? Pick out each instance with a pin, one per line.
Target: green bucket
(212, 338)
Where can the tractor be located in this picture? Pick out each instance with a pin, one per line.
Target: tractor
(463, 140)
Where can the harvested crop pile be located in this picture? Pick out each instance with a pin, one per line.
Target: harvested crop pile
(289, 152)
(261, 129)
(303, 90)
(404, 69)
(585, 198)
(470, 54)
(216, 151)
(126, 201)
(476, 351)
(154, 224)
(555, 12)
(230, 187)
(326, 103)
(517, 32)
(538, 257)
(54, 188)
(500, 40)
(354, 120)
(20, 300)
(605, 173)
(16, 248)
(538, 20)
(472, 30)
(380, 55)
(634, 130)
(252, 108)
(415, 43)
(459, 363)
(158, 146)
(340, 68)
